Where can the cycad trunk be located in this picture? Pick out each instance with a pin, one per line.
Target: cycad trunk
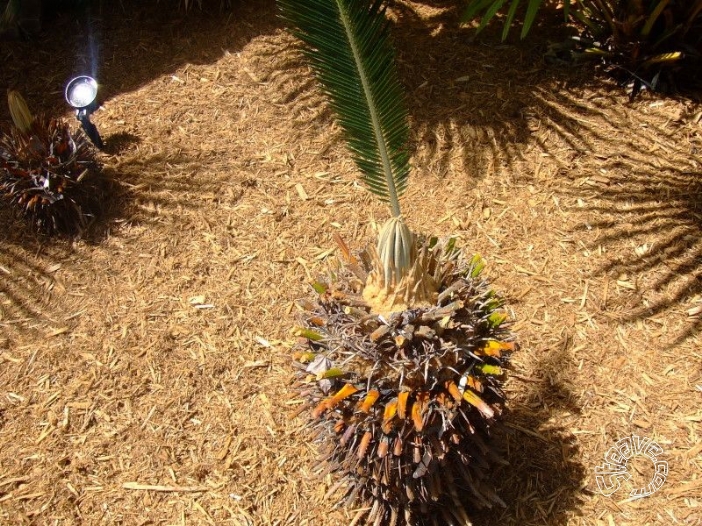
(402, 404)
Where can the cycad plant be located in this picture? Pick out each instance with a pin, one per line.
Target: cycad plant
(47, 172)
(647, 43)
(348, 46)
(400, 356)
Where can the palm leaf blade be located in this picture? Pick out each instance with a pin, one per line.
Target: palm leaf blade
(347, 43)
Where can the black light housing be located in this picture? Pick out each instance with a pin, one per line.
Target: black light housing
(81, 93)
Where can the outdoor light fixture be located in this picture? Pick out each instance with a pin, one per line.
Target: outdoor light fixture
(81, 93)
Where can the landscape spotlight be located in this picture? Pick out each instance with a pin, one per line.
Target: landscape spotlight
(81, 93)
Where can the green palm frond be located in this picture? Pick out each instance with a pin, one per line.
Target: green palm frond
(10, 14)
(348, 45)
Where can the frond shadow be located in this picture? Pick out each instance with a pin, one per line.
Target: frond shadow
(28, 266)
(469, 96)
(153, 190)
(127, 45)
(92, 41)
(638, 184)
(289, 84)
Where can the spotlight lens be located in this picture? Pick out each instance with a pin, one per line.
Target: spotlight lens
(81, 92)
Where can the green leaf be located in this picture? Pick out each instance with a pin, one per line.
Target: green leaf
(319, 287)
(664, 58)
(580, 16)
(491, 12)
(532, 10)
(334, 372)
(605, 12)
(510, 18)
(595, 51)
(347, 43)
(451, 246)
(496, 319)
(493, 370)
(660, 6)
(308, 333)
(474, 7)
(476, 266)
(492, 304)
(305, 357)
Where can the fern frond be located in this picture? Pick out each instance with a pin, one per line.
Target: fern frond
(348, 45)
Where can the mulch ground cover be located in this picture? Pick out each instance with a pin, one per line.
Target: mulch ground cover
(145, 368)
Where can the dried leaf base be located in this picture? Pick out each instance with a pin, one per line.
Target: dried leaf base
(48, 176)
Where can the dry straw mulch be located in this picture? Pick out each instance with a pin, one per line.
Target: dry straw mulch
(144, 370)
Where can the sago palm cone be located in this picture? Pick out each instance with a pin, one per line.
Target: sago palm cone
(402, 403)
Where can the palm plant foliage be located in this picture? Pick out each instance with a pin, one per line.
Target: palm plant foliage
(647, 43)
(490, 8)
(9, 14)
(348, 46)
(400, 356)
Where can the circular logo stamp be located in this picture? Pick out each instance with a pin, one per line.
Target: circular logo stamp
(614, 470)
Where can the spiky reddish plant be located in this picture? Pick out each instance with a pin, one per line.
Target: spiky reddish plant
(47, 172)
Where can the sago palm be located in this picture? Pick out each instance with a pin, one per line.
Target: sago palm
(48, 174)
(400, 356)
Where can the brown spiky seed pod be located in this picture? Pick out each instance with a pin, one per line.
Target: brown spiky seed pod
(47, 176)
(402, 404)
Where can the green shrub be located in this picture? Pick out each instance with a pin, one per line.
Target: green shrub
(649, 43)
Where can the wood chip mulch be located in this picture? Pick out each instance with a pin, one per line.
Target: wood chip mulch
(145, 369)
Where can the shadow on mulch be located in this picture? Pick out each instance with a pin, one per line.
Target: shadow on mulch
(157, 188)
(663, 217)
(126, 45)
(640, 183)
(471, 93)
(92, 41)
(119, 143)
(27, 265)
(469, 99)
(544, 479)
(30, 259)
(542, 483)
(487, 99)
